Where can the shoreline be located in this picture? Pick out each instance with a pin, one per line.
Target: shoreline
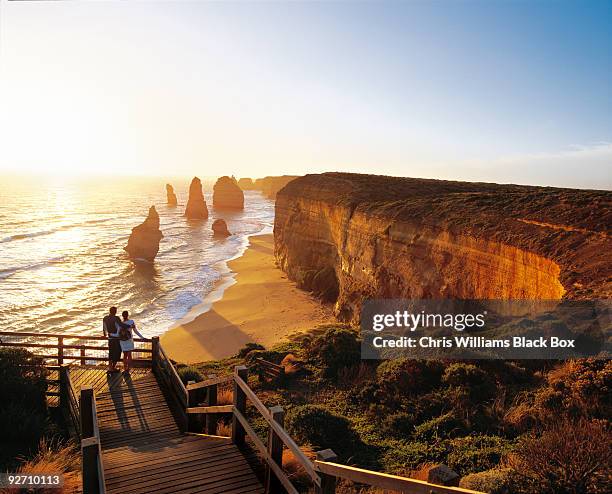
(256, 303)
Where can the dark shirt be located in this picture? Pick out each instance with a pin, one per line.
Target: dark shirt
(109, 326)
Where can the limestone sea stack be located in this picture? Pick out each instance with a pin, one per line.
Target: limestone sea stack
(171, 195)
(349, 238)
(219, 228)
(144, 240)
(227, 194)
(270, 186)
(246, 184)
(196, 205)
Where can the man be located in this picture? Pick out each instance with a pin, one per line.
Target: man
(111, 324)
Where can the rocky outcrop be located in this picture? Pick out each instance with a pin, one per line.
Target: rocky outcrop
(350, 237)
(143, 243)
(196, 205)
(246, 184)
(227, 194)
(270, 186)
(171, 195)
(219, 228)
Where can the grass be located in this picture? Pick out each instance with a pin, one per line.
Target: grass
(53, 458)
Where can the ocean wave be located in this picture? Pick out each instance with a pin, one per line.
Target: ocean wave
(23, 236)
(5, 273)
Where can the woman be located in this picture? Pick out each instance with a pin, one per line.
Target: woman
(127, 341)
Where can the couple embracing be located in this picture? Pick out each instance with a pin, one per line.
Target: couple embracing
(120, 339)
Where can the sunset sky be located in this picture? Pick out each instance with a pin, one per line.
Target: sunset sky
(491, 91)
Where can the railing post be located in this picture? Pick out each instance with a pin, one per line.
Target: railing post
(238, 432)
(82, 356)
(85, 407)
(60, 350)
(194, 398)
(211, 401)
(328, 482)
(275, 448)
(154, 351)
(64, 382)
(89, 465)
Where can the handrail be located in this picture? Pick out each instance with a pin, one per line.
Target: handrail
(177, 378)
(280, 431)
(386, 481)
(64, 343)
(92, 465)
(278, 471)
(63, 335)
(209, 382)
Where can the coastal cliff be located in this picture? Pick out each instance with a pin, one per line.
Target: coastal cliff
(270, 186)
(144, 239)
(350, 237)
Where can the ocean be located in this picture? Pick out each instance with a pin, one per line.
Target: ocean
(62, 263)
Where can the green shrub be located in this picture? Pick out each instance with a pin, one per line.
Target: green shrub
(322, 429)
(365, 394)
(442, 427)
(399, 378)
(248, 348)
(409, 455)
(400, 425)
(476, 383)
(20, 423)
(22, 379)
(472, 454)
(494, 481)
(335, 349)
(23, 407)
(570, 456)
(188, 373)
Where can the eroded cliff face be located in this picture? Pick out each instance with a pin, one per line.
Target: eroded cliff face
(351, 237)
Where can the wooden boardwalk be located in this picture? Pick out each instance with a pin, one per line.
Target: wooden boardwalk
(131, 443)
(143, 450)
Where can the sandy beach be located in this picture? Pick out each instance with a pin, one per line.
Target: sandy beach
(263, 306)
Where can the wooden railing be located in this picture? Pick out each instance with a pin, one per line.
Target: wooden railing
(167, 375)
(69, 402)
(91, 450)
(269, 371)
(72, 348)
(322, 472)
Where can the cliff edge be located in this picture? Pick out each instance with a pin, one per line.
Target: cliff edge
(349, 237)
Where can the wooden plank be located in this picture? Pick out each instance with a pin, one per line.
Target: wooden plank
(386, 481)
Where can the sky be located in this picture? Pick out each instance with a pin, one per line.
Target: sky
(482, 90)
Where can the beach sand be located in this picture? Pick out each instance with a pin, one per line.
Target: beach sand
(263, 306)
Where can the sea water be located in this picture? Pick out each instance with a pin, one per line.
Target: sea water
(62, 263)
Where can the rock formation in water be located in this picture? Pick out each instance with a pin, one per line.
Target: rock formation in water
(219, 228)
(144, 240)
(270, 186)
(246, 184)
(196, 205)
(227, 194)
(350, 237)
(171, 195)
